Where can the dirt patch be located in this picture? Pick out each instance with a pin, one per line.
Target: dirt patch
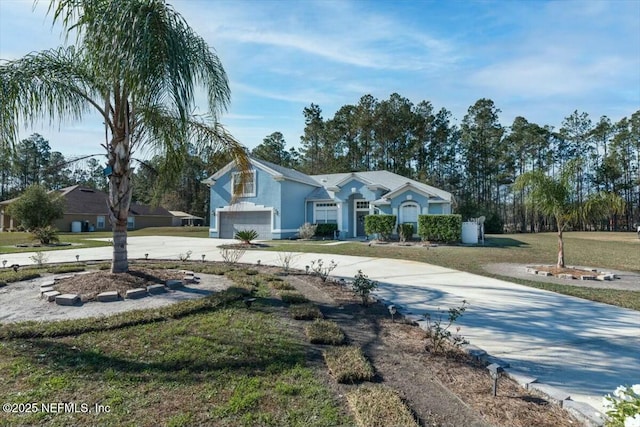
(89, 285)
(442, 389)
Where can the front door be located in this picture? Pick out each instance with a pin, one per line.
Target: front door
(360, 223)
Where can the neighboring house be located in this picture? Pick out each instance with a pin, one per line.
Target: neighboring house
(183, 218)
(87, 209)
(276, 201)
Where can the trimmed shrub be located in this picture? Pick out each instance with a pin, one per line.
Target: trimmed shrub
(326, 230)
(440, 228)
(382, 225)
(405, 231)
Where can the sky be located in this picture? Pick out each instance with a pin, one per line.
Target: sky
(538, 59)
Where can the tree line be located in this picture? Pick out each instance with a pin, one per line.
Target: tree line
(32, 162)
(479, 160)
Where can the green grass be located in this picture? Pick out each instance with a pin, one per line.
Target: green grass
(325, 332)
(83, 240)
(292, 297)
(348, 364)
(379, 406)
(305, 312)
(211, 364)
(616, 251)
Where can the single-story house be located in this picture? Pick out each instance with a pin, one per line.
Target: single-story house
(87, 209)
(183, 218)
(275, 201)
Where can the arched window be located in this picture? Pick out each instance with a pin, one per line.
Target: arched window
(409, 214)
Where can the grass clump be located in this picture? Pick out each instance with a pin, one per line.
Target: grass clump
(61, 269)
(305, 312)
(325, 332)
(348, 364)
(292, 297)
(281, 286)
(7, 275)
(379, 406)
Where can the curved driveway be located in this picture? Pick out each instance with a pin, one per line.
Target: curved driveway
(583, 348)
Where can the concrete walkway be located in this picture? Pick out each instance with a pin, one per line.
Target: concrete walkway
(584, 348)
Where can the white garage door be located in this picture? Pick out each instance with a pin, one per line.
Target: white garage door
(231, 222)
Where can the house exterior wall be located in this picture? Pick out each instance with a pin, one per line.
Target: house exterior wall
(292, 198)
(270, 194)
(140, 221)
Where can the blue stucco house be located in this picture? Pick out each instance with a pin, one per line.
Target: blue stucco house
(275, 201)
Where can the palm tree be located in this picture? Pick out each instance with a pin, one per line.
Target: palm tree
(552, 197)
(138, 64)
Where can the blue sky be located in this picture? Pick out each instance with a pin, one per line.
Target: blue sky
(537, 59)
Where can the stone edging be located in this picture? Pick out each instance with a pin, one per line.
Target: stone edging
(48, 292)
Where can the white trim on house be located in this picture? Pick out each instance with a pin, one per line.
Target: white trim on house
(241, 207)
(249, 184)
(356, 209)
(327, 206)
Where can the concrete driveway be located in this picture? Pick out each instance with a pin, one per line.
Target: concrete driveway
(583, 348)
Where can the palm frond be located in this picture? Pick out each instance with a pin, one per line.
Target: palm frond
(54, 84)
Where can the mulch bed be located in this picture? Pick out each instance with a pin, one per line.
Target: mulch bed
(449, 389)
(89, 285)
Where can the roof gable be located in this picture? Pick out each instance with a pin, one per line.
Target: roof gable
(276, 171)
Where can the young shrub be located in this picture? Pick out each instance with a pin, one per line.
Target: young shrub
(405, 231)
(440, 228)
(39, 258)
(307, 231)
(231, 256)
(325, 332)
(363, 286)
(438, 330)
(305, 312)
(46, 235)
(379, 406)
(322, 271)
(292, 297)
(348, 364)
(286, 260)
(382, 225)
(246, 236)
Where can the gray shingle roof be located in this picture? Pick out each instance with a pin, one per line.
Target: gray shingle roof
(388, 179)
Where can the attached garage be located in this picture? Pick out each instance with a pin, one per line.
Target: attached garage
(231, 222)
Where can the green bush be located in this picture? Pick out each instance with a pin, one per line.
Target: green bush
(440, 228)
(46, 235)
(405, 231)
(326, 230)
(382, 225)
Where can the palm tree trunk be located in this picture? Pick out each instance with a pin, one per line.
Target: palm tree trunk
(560, 248)
(119, 203)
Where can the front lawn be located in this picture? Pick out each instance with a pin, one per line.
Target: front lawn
(617, 251)
(8, 241)
(226, 366)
